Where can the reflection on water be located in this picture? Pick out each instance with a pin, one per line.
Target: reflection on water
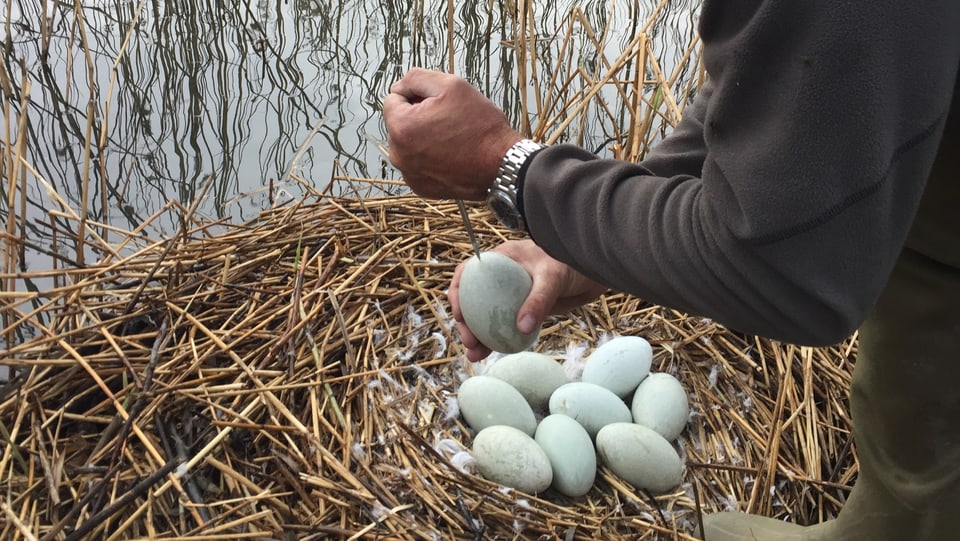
(139, 102)
(203, 87)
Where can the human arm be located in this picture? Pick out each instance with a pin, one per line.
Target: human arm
(821, 125)
(818, 135)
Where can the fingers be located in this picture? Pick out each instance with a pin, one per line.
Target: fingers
(446, 137)
(475, 350)
(539, 304)
(453, 293)
(557, 288)
(478, 354)
(543, 293)
(419, 84)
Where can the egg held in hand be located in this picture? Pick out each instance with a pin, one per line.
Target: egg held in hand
(492, 289)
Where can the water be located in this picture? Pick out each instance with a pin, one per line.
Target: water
(139, 102)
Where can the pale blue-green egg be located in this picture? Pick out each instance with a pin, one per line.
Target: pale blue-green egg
(660, 403)
(590, 405)
(512, 458)
(640, 456)
(619, 365)
(487, 401)
(535, 375)
(492, 289)
(571, 453)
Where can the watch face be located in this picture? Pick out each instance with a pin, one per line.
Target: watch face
(505, 210)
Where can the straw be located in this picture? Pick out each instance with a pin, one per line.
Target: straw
(351, 439)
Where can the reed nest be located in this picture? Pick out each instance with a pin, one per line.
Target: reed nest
(295, 378)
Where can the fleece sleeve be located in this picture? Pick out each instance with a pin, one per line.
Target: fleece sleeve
(784, 205)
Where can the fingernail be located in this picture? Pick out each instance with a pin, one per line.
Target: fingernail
(527, 324)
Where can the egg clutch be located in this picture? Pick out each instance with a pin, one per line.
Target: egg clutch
(536, 429)
(583, 422)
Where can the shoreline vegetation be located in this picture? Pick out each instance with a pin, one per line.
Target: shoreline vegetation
(294, 376)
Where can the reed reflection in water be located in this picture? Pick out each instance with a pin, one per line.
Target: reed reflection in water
(234, 90)
(124, 106)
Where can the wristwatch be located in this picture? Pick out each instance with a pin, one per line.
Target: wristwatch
(502, 196)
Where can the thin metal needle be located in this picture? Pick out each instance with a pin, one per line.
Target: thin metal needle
(382, 147)
(469, 227)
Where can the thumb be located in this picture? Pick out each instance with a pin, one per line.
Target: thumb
(537, 306)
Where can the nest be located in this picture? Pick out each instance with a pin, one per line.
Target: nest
(295, 378)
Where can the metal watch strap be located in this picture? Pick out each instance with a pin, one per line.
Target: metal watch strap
(502, 196)
(514, 159)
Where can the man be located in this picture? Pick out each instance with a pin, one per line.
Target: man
(812, 188)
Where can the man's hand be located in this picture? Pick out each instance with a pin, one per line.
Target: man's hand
(557, 288)
(445, 137)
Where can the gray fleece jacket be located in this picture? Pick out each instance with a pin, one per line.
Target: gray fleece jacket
(780, 203)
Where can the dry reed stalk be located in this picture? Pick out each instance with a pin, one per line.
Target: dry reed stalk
(14, 146)
(358, 440)
(572, 94)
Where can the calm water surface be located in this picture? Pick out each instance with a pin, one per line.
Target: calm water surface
(235, 90)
